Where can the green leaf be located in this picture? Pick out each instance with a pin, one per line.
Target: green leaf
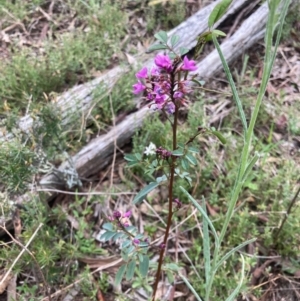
(120, 274)
(108, 226)
(130, 157)
(118, 235)
(125, 256)
(107, 235)
(130, 164)
(194, 150)
(170, 277)
(178, 152)
(139, 197)
(217, 33)
(154, 163)
(130, 249)
(219, 136)
(131, 229)
(162, 36)
(143, 244)
(161, 179)
(138, 156)
(140, 255)
(218, 11)
(156, 47)
(185, 164)
(139, 236)
(183, 51)
(174, 40)
(173, 267)
(125, 244)
(191, 159)
(130, 270)
(144, 266)
(252, 186)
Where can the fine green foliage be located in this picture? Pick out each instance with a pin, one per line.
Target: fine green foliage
(63, 59)
(226, 177)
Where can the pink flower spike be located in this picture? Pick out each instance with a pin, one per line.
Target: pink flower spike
(127, 214)
(164, 62)
(138, 88)
(143, 73)
(188, 65)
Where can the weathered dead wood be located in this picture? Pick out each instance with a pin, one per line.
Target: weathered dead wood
(97, 154)
(81, 99)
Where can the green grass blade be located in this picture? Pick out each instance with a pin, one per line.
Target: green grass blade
(227, 255)
(270, 54)
(237, 289)
(200, 209)
(250, 167)
(232, 85)
(191, 288)
(206, 244)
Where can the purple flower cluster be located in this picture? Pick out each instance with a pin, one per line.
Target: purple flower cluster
(161, 86)
(178, 203)
(122, 219)
(163, 153)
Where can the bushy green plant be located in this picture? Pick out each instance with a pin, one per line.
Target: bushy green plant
(165, 86)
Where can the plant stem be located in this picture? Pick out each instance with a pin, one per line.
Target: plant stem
(286, 215)
(169, 222)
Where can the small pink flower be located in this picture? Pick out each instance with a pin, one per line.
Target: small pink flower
(150, 96)
(178, 203)
(164, 62)
(143, 73)
(154, 71)
(127, 214)
(170, 108)
(117, 214)
(159, 99)
(178, 94)
(138, 88)
(136, 241)
(188, 65)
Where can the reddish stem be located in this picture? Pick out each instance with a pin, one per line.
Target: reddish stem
(169, 222)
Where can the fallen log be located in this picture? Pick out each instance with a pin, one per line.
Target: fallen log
(80, 98)
(97, 154)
